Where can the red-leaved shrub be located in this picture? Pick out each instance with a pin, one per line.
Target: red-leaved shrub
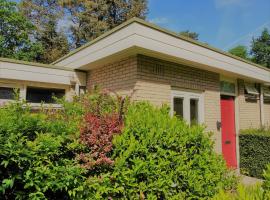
(97, 134)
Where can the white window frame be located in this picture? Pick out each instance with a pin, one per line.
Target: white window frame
(186, 96)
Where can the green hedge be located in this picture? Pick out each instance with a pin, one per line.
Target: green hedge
(254, 151)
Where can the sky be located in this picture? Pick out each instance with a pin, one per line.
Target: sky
(220, 23)
(223, 24)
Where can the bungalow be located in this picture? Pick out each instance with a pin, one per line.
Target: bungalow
(200, 83)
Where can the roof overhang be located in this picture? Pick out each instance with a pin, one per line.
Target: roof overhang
(35, 72)
(139, 37)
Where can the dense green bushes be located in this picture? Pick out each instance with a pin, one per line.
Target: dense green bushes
(87, 151)
(37, 155)
(158, 157)
(252, 192)
(254, 151)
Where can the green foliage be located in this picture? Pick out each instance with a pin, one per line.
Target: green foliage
(92, 18)
(266, 183)
(252, 192)
(45, 15)
(159, 157)
(155, 156)
(37, 159)
(243, 193)
(260, 49)
(189, 34)
(254, 151)
(240, 51)
(15, 34)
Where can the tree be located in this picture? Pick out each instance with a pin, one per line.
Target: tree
(15, 34)
(189, 34)
(260, 49)
(55, 43)
(45, 15)
(91, 18)
(240, 51)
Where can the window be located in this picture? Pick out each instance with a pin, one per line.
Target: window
(194, 111)
(45, 95)
(188, 105)
(178, 107)
(227, 88)
(251, 89)
(7, 93)
(266, 95)
(251, 92)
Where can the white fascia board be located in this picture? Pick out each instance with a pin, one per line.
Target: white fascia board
(14, 71)
(138, 35)
(160, 42)
(121, 38)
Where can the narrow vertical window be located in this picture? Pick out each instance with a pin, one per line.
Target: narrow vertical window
(178, 107)
(194, 111)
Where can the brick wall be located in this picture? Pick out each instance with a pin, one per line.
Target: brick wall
(118, 77)
(249, 112)
(266, 114)
(156, 78)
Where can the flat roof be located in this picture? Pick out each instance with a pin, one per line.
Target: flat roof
(158, 28)
(35, 64)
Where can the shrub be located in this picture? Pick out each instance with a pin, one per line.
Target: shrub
(37, 158)
(159, 157)
(254, 192)
(257, 192)
(266, 183)
(254, 151)
(40, 151)
(90, 150)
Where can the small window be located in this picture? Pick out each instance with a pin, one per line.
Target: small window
(227, 88)
(251, 92)
(43, 95)
(266, 95)
(251, 89)
(7, 93)
(178, 107)
(194, 111)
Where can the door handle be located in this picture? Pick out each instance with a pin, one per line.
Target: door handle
(227, 142)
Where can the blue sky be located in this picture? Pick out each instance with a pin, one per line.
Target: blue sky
(220, 23)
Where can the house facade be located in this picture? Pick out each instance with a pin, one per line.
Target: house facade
(201, 84)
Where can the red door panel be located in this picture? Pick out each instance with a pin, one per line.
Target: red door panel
(228, 131)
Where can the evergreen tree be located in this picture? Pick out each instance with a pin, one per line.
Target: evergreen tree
(189, 34)
(15, 34)
(240, 51)
(45, 15)
(91, 18)
(260, 49)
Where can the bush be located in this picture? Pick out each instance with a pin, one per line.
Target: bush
(159, 157)
(243, 193)
(40, 152)
(257, 192)
(37, 158)
(266, 183)
(254, 151)
(97, 147)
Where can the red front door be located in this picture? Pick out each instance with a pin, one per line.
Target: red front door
(228, 131)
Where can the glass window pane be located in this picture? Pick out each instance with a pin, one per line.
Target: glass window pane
(178, 107)
(194, 111)
(6, 93)
(38, 95)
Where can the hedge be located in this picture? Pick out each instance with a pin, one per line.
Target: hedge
(254, 151)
